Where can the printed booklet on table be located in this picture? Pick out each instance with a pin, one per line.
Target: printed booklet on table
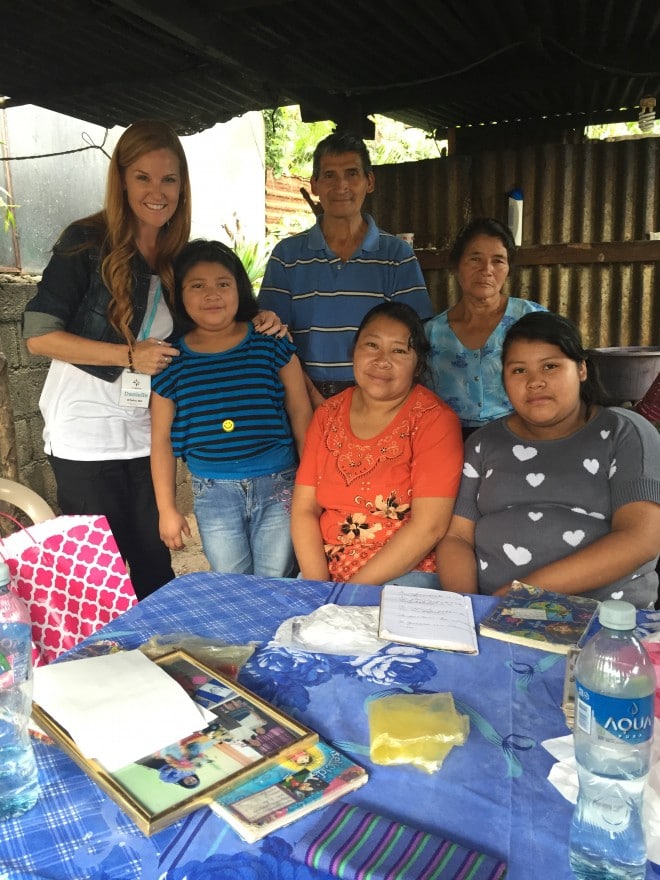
(537, 618)
(304, 781)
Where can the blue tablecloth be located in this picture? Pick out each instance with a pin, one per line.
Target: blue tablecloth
(492, 793)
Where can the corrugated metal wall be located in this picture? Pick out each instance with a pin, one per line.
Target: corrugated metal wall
(573, 193)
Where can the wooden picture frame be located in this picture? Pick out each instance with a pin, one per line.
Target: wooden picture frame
(246, 736)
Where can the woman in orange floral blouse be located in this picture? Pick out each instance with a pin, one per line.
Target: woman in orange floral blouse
(381, 466)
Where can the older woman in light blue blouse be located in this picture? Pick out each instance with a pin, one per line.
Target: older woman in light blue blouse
(465, 367)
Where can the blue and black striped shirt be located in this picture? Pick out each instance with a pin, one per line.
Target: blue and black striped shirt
(230, 421)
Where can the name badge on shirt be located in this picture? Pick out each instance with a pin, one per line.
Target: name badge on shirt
(135, 389)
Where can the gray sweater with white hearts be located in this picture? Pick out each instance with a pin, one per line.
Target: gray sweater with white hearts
(535, 502)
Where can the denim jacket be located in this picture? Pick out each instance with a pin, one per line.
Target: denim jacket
(72, 291)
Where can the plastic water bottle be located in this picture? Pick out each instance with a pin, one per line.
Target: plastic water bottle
(615, 690)
(19, 784)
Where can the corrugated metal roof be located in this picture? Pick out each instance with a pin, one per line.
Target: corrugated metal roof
(430, 63)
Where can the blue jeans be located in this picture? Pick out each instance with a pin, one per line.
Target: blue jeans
(244, 524)
(428, 579)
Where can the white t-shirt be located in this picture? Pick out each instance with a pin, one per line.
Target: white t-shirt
(83, 420)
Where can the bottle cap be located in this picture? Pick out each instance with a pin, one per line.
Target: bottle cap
(617, 614)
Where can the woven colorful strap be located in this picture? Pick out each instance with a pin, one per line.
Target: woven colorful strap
(358, 845)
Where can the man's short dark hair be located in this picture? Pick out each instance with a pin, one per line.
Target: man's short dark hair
(341, 142)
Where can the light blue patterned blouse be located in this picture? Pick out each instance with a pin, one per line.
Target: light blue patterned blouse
(470, 380)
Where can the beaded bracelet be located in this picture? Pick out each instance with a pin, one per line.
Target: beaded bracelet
(130, 359)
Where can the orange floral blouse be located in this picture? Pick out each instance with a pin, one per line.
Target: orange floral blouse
(366, 487)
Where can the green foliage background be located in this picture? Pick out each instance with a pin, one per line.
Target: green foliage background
(290, 142)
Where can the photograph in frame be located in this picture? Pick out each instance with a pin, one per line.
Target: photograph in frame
(243, 737)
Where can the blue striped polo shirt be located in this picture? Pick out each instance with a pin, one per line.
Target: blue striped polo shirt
(324, 298)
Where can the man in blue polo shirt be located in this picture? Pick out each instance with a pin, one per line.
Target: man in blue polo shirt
(322, 282)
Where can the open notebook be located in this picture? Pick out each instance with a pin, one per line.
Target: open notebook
(428, 618)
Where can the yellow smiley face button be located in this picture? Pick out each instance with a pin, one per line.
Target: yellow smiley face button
(228, 425)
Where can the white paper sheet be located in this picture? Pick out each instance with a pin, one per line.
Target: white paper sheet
(116, 707)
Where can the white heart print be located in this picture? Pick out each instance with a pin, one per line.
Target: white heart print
(524, 453)
(612, 468)
(489, 472)
(469, 470)
(604, 434)
(517, 555)
(483, 565)
(618, 594)
(591, 465)
(574, 538)
(534, 516)
(535, 480)
(592, 513)
(477, 448)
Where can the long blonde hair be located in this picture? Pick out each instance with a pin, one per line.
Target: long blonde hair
(116, 223)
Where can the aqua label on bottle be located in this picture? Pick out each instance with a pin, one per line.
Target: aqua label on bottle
(630, 721)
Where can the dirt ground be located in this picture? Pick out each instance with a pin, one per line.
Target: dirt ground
(191, 558)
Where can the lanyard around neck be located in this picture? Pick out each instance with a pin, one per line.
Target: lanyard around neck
(146, 328)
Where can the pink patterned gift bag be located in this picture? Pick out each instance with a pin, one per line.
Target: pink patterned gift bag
(71, 575)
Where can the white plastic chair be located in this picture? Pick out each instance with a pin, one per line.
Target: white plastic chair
(25, 499)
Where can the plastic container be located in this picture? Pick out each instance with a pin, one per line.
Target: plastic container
(626, 373)
(515, 215)
(19, 783)
(615, 689)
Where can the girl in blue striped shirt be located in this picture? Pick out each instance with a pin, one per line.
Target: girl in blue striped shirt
(234, 407)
